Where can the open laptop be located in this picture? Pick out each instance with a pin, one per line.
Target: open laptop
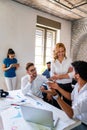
(39, 116)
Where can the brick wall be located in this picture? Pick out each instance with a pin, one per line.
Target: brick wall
(79, 40)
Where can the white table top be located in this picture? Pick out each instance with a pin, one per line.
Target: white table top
(12, 119)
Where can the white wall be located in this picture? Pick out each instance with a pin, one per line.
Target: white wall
(17, 31)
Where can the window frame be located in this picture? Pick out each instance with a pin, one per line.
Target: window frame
(45, 39)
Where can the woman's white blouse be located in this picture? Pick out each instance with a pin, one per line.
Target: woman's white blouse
(62, 68)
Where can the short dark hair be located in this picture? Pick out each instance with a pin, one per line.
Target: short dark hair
(48, 62)
(28, 65)
(81, 68)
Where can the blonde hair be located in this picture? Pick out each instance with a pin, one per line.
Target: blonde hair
(55, 52)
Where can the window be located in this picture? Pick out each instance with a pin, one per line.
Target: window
(45, 40)
(47, 34)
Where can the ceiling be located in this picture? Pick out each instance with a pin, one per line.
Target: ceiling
(66, 9)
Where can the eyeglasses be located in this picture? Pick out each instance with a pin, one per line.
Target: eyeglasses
(32, 70)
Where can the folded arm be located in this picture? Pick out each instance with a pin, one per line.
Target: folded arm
(67, 75)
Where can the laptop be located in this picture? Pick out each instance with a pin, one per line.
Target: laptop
(39, 116)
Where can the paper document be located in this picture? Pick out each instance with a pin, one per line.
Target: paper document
(12, 120)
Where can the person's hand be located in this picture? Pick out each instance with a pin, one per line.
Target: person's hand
(52, 85)
(16, 65)
(55, 77)
(49, 96)
(42, 88)
(11, 65)
(31, 78)
(70, 69)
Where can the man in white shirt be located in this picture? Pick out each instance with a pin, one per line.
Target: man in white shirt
(33, 83)
(78, 95)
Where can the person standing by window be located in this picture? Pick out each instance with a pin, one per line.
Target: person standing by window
(47, 71)
(61, 69)
(9, 67)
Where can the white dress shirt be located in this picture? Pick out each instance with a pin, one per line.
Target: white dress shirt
(33, 87)
(62, 68)
(79, 103)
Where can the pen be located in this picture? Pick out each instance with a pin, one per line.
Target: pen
(23, 100)
(15, 105)
(38, 103)
(18, 96)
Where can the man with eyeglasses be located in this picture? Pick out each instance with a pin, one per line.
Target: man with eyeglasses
(34, 83)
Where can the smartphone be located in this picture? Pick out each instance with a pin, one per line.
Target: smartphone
(16, 65)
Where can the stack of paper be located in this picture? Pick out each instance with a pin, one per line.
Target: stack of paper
(12, 120)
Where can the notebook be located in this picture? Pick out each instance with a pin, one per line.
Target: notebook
(39, 116)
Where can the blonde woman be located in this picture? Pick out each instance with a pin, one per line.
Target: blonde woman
(61, 69)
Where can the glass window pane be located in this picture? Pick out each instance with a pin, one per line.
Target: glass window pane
(48, 58)
(39, 37)
(50, 44)
(48, 52)
(38, 51)
(49, 38)
(44, 44)
(39, 68)
(38, 60)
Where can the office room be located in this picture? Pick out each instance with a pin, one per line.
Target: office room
(19, 24)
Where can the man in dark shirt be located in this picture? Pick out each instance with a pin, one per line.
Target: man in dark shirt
(47, 71)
